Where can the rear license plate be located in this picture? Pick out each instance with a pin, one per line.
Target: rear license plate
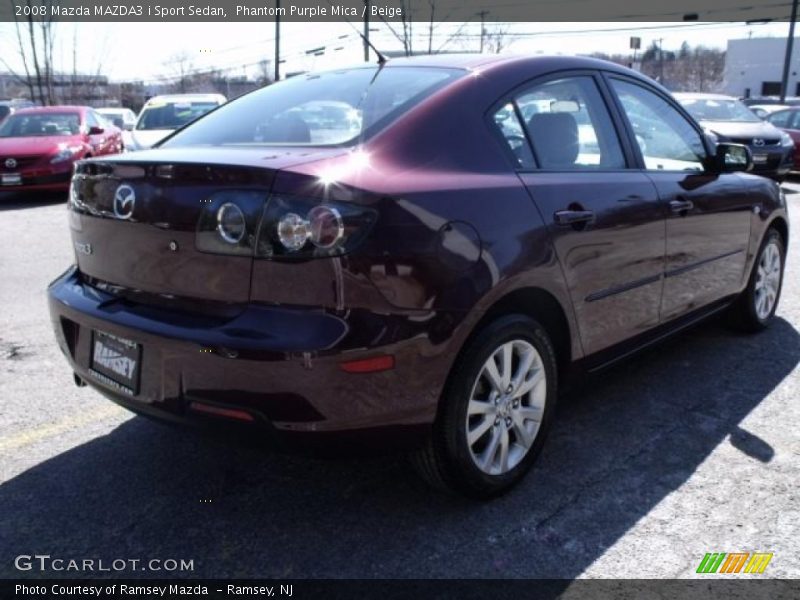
(12, 179)
(116, 362)
(759, 158)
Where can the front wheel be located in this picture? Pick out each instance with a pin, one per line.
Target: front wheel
(756, 306)
(495, 412)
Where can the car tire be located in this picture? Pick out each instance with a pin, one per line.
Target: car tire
(485, 439)
(756, 305)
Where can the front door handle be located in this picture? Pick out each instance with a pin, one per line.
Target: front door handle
(681, 206)
(573, 217)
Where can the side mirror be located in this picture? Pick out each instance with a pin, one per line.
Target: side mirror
(730, 158)
(128, 126)
(96, 130)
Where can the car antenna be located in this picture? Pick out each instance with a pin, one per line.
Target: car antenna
(381, 57)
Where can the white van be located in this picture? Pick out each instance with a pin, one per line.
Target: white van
(161, 115)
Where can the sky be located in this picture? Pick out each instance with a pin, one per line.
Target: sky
(144, 51)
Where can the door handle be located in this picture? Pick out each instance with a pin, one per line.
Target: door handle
(573, 217)
(681, 206)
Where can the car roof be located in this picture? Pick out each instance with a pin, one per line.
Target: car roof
(522, 65)
(489, 61)
(52, 109)
(185, 98)
(701, 96)
(456, 61)
(775, 107)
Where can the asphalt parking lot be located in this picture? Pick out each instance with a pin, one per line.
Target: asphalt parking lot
(686, 449)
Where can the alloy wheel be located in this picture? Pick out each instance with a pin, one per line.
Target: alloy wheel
(768, 280)
(506, 407)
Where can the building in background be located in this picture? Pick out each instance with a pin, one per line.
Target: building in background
(79, 89)
(98, 91)
(754, 67)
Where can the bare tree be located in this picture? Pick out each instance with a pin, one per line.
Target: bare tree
(35, 42)
(412, 11)
(404, 35)
(497, 39)
(181, 66)
(264, 72)
(690, 69)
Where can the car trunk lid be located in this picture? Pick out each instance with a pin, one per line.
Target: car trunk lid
(134, 217)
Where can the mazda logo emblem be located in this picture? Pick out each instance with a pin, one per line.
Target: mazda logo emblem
(124, 201)
(758, 142)
(11, 163)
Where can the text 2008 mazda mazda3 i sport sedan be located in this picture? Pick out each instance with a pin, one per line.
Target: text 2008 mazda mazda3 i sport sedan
(422, 250)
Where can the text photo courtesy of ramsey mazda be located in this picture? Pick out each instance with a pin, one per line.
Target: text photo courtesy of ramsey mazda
(399, 299)
(316, 260)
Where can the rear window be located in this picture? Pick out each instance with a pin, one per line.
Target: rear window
(172, 115)
(319, 109)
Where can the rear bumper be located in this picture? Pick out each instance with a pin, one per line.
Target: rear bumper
(281, 367)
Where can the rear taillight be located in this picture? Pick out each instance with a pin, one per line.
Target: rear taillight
(228, 222)
(283, 227)
(301, 228)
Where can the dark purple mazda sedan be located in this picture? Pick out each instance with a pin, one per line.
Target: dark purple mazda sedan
(416, 253)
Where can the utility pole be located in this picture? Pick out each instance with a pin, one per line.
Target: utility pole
(661, 61)
(366, 30)
(787, 61)
(277, 40)
(482, 15)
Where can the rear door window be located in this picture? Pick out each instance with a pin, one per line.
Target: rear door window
(569, 125)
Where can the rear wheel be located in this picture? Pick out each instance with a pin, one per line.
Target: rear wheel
(495, 412)
(756, 306)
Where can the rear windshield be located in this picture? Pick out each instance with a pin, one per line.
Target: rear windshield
(718, 110)
(172, 115)
(319, 109)
(40, 124)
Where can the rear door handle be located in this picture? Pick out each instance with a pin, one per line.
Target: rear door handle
(681, 206)
(573, 217)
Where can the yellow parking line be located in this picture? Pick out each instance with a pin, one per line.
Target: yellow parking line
(31, 436)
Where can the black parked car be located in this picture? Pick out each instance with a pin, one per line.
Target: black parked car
(729, 120)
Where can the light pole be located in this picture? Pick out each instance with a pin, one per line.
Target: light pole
(277, 40)
(787, 61)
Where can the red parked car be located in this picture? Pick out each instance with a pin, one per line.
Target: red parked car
(38, 146)
(789, 121)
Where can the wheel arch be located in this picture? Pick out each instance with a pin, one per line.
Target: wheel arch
(782, 227)
(541, 305)
(534, 302)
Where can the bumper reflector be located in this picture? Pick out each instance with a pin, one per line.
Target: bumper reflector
(369, 365)
(231, 413)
